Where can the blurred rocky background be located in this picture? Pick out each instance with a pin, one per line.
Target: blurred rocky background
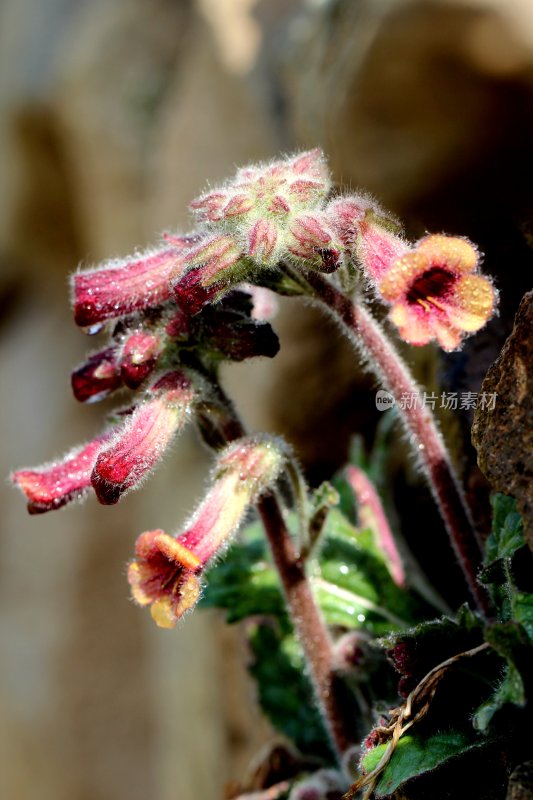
(113, 115)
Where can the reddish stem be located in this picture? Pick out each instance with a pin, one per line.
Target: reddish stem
(366, 334)
(306, 617)
(308, 623)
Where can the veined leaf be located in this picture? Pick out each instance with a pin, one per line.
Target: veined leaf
(415, 755)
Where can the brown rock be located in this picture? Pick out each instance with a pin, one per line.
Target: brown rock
(521, 782)
(503, 436)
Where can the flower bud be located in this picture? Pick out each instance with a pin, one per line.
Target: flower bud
(371, 514)
(239, 204)
(139, 357)
(119, 288)
(97, 377)
(368, 233)
(54, 485)
(312, 241)
(208, 207)
(262, 241)
(144, 438)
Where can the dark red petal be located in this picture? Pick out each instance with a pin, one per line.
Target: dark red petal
(189, 293)
(97, 377)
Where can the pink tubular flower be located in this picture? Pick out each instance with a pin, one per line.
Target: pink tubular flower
(54, 485)
(143, 439)
(166, 571)
(434, 288)
(435, 292)
(119, 288)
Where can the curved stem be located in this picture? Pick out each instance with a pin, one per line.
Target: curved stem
(309, 625)
(381, 356)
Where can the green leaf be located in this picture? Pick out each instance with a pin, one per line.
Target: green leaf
(510, 690)
(415, 755)
(511, 641)
(353, 583)
(285, 693)
(522, 611)
(507, 529)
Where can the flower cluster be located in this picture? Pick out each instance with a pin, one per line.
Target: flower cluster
(151, 344)
(285, 212)
(174, 312)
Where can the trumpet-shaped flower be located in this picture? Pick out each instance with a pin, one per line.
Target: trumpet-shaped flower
(434, 287)
(436, 292)
(166, 571)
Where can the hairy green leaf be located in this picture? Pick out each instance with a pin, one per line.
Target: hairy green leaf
(284, 690)
(415, 755)
(507, 529)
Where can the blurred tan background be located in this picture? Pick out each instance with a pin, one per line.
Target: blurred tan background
(113, 115)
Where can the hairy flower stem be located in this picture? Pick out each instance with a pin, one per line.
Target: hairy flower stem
(308, 623)
(381, 356)
(305, 615)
